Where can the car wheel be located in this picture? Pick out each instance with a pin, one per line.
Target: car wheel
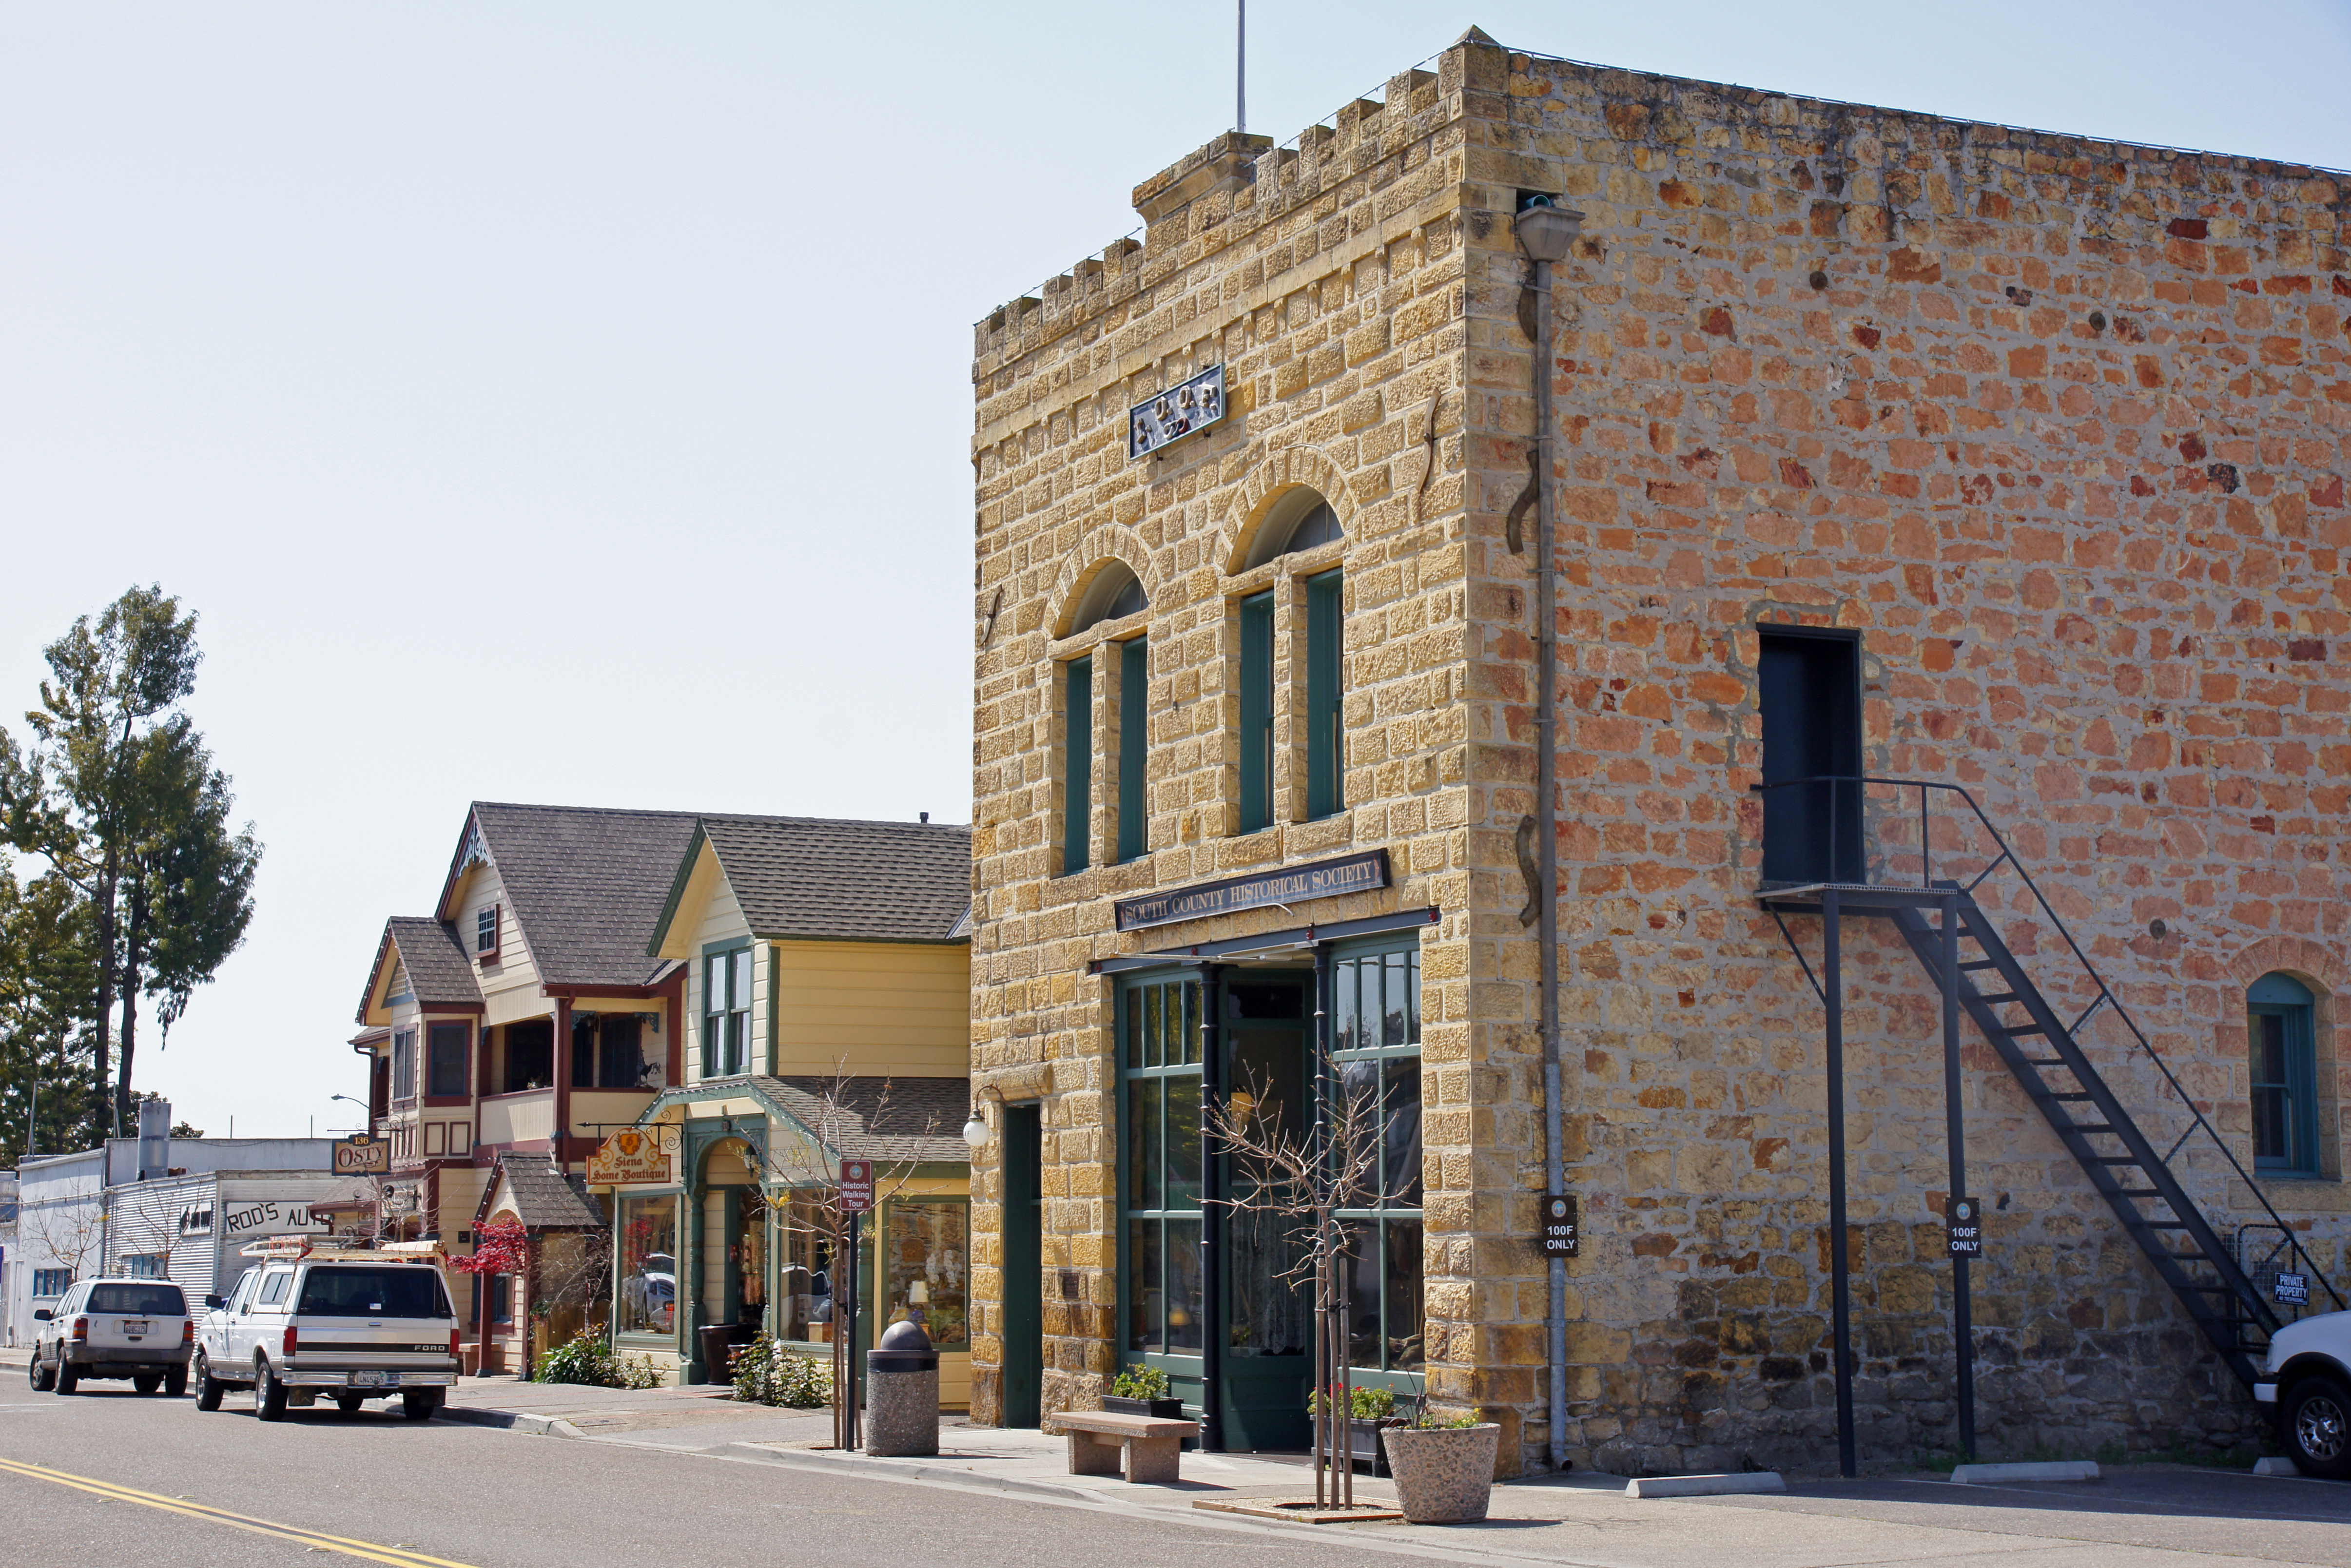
(268, 1393)
(2318, 1423)
(209, 1388)
(175, 1383)
(44, 1378)
(65, 1379)
(420, 1405)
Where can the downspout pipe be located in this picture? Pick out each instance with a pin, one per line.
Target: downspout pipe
(1546, 232)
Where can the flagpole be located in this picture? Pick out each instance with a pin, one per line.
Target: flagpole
(1240, 67)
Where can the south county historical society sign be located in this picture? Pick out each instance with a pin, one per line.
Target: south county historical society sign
(1292, 885)
(1175, 412)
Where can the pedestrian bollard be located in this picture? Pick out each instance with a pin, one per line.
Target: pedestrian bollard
(901, 1393)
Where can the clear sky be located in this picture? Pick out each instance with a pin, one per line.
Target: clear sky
(570, 403)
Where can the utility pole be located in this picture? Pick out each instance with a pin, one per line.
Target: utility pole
(1240, 68)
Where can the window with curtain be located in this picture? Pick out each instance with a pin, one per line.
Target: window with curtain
(1134, 747)
(1159, 1042)
(726, 1013)
(1078, 766)
(2283, 1040)
(1375, 1054)
(1257, 712)
(448, 1059)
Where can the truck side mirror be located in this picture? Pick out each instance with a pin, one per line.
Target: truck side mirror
(40, 1314)
(214, 1304)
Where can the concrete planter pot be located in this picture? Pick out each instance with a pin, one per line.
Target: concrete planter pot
(1443, 1475)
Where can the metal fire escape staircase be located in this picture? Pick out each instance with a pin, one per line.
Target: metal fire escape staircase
(2046, 1055)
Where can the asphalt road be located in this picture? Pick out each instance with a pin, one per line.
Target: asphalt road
(108, 1477)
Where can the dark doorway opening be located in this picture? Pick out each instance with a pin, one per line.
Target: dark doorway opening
(1024, 1266)
(1809, 687)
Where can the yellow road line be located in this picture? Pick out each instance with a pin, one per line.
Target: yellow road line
(400, 1557)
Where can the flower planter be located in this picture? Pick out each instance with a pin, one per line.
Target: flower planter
(1363, 1442)
(1444, 1475)
(1157, 1409)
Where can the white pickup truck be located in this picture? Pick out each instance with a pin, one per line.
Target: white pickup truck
(2307, 1382)
(352, 1328)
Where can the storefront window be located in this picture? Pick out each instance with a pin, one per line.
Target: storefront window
(751, 1256)
(1376, 1058)
(1160, 1036)
(804, 1291)
(648, 1302)
(926, 1260)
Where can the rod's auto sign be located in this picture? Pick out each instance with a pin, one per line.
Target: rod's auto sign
(271, 1219)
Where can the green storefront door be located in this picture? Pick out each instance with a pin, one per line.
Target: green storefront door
(1268, 1315)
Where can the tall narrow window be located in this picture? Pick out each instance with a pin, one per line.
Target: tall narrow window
(1257, 712)
(2280, 1021)
(1376, 1060)
(403, 1065)
(726, 1013)
(1326, 752)
(1078, 768)
(1134, 746)
(1159, 1033)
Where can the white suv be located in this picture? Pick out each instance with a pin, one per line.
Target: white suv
(2308, 1383)
(137, 1329)
(354, 1329)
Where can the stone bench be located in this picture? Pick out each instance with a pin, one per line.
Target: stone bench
(1140, 1448)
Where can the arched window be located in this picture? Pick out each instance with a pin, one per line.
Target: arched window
(2281, 1027)
(1115, 594)
(1300, 520)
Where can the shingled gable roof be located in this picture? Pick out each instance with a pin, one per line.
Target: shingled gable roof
(585, 885)
(438, 968)
(821, 879)
(544, 1199)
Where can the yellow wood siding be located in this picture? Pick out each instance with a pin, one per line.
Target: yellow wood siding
(886, 1009)
(510, 986)
(722, 921)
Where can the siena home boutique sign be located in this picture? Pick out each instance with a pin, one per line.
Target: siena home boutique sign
(1291, 884)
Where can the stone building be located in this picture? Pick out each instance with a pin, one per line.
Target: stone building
(1882, 445)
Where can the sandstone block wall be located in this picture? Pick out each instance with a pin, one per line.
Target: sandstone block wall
(2058, 426)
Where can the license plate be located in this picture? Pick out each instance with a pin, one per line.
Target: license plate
(137, 1326)
(373, 1379)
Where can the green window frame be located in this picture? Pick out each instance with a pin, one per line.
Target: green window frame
(1159, 1032)
(1134, 746)
(1375, 1047)
(1326, 744)
(1257, 711)
(1078, 767)
(2282, 1062)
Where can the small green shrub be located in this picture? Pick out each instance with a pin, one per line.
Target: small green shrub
(765, 1373)
(587, 1359)
(1140, 1382)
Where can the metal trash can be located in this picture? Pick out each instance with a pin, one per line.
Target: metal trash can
(902, 1393)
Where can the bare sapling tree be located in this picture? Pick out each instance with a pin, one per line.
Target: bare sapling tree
(1306, 1173)
(849, 1110)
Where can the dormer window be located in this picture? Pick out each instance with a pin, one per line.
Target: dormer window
(486, 934)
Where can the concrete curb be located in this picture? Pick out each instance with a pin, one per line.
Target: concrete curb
(2277, 1465)
(511, 1421)
(2047, 1471)
(810, 1459)
(1742, 1485)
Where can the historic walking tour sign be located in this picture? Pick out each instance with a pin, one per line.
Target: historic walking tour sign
(1291, 884)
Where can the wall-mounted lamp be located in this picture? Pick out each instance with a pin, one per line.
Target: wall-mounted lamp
(976, 1132)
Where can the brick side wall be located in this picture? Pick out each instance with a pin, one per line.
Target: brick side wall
(2059, 427)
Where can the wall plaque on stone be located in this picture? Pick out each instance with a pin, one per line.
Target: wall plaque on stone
(1175, 412)
(1965, 1230)
(1321, 879)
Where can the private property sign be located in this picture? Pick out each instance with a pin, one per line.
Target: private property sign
(1291, 884)
(631, 1157)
